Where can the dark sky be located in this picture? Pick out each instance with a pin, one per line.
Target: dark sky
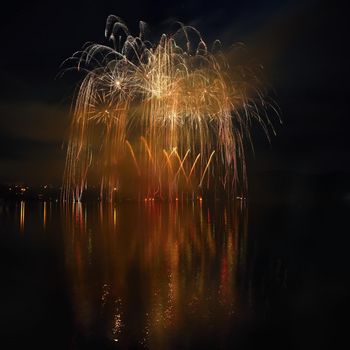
(302, 44)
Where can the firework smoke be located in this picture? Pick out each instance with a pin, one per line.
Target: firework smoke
(160, 120)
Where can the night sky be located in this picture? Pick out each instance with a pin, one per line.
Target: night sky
(301, 44)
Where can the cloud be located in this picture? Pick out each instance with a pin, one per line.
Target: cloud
(34, 121)
(31, 139)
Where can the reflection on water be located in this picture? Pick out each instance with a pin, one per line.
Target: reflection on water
(171, 276)
(44, 215)
(22, 216)
(148, 274)
(144, 275)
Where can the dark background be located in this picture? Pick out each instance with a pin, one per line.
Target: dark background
(298, 185)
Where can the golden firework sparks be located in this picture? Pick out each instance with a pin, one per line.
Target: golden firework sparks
(175, 110)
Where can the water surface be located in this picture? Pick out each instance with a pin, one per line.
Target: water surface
(165, 276)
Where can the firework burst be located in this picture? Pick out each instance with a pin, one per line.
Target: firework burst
(164, 119)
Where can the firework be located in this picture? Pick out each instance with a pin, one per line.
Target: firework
(160, 120)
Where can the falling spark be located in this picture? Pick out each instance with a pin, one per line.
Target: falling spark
(206, 168)
(133, 157)
(175, 110)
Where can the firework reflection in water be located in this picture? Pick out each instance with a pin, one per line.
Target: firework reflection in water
(161, 120)
(150, 282)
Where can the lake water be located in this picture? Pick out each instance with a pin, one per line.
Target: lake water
(155, 276)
